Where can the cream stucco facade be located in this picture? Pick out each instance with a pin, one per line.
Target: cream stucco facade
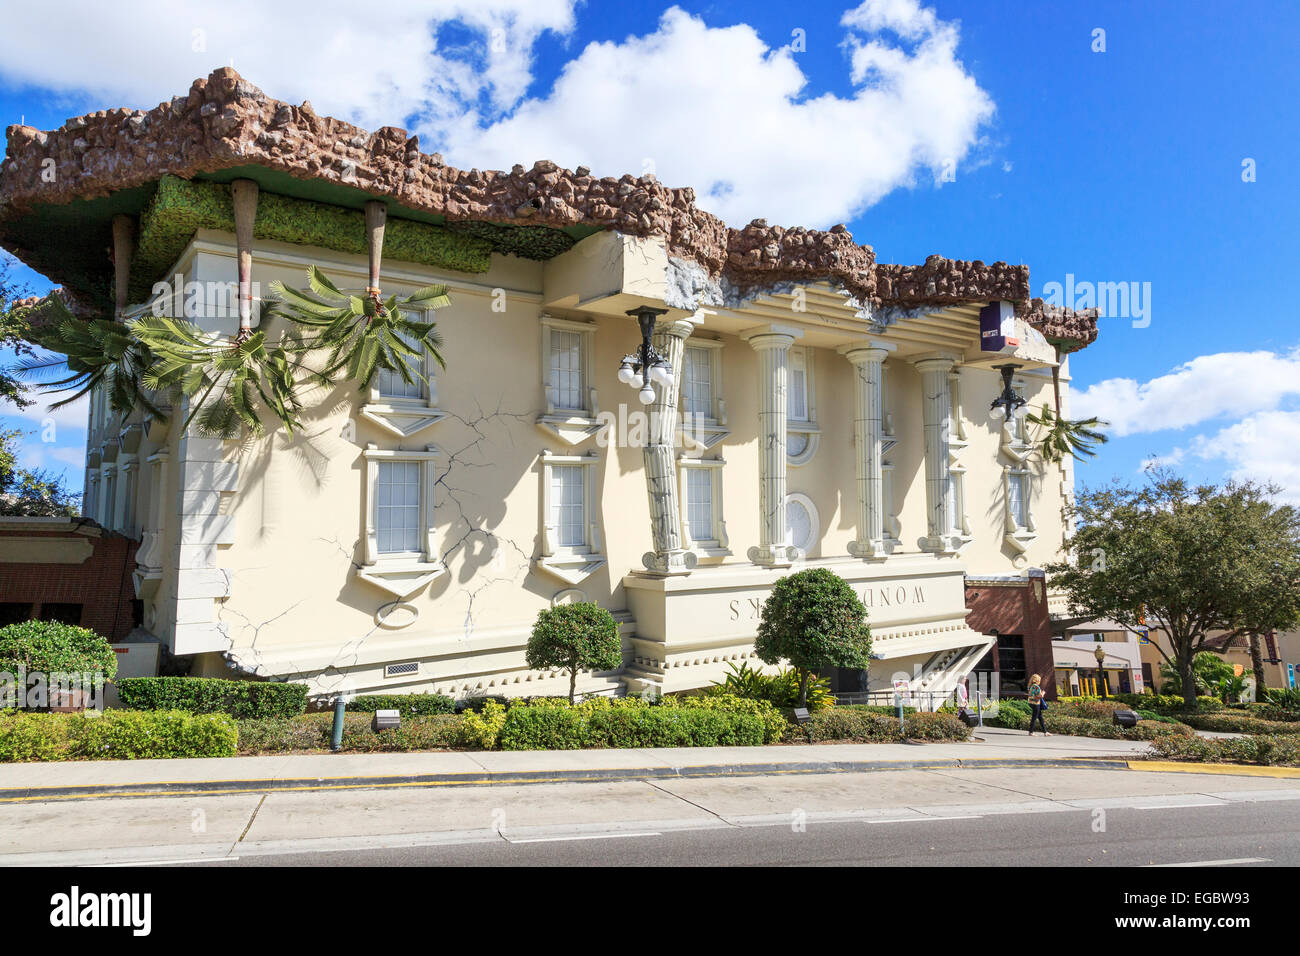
(825, 434)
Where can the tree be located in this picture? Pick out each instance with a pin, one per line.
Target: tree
(63, 653)
(575, 637)
(1201, 560)
(28, 493)
(14, 332)
(813, 620)
(1209, 670)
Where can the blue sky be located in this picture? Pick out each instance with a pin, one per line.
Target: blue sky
(1117, 166)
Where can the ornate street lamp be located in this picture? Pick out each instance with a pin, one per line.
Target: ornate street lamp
(1008, 403)
(647, 364)
(1099, 652)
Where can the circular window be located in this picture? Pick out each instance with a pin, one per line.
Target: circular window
(800, 446)
(801, 522)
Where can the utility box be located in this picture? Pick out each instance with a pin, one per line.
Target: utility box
(998, 328)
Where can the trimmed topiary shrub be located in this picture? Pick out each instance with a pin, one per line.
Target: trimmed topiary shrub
(409, 705)
(575, 637)
(1238, 723)
(204, 695)
(815, 620)
(116, 735)
(54, 648)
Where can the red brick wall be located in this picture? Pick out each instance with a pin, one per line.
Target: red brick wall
(101, 585)
(1009, 607)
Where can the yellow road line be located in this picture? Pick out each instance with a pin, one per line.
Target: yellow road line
(1233, 769)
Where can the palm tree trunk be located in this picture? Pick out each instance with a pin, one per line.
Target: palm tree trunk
(1056, 380)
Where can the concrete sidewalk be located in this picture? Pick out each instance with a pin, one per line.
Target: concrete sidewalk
(995, 747)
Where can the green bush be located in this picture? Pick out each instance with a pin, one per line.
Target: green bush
(1168, 704)
(202, 695)
(1012, 713)
(312, 732)
(1233, 723)
(543, 728)
(480, 728)
(775, 725)
(1087, 709)
(879, 709)
(409, 705)
(1269, 751)
(1088, 727)
(51, 647)
(862, 725)
(780, 689)
(116, 735)
(569, 728)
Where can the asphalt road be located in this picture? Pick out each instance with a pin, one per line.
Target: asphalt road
(1227, 835)
(955, 817)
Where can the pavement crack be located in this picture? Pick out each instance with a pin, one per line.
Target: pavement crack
(248, 826)
(712, 813)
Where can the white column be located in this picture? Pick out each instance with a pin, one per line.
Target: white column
(868, 430)
(772, 343)
(936, 408)
(669, 555)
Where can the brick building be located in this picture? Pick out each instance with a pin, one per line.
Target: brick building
(70, 570)
(1013, 609)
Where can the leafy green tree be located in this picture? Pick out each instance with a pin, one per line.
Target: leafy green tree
(15, 332)
(814, 620)
(1203, 561)
(28, 493)
(575, 637)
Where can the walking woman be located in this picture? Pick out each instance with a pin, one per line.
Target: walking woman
(1037, 701)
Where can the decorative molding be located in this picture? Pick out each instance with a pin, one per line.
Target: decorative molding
(401, 574)
(571, 564)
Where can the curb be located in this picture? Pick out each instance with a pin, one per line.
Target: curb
(1232, 769)
(526, 777)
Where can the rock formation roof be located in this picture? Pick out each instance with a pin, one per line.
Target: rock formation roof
(59, 189)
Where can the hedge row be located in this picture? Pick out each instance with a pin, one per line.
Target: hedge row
(1058, 723)
(1168, 704)
(410, 705)
(115, 735)
(1270, 751)
(203, 695)
(865, 726)
(550, 727)
(312, 732)
(1238, 723)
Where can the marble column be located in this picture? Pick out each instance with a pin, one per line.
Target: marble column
(936, 397)
(669, 555)
(772, 344)
(868, 434)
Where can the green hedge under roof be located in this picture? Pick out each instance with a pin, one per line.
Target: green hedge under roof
(181, 207)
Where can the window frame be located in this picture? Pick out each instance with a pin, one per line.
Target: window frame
(571, 564)
(806, 426)
(402, 573)
(713, 543)
(814, 520)
(702, 432)
(407, 415)
(571, 425)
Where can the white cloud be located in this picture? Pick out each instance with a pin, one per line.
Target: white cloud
(1264, 447)
(1224, 384)
(716, 108)
(375, 63)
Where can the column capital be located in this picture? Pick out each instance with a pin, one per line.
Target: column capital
(935, 362)
(771, 336)
(682, 328)
(867, 350)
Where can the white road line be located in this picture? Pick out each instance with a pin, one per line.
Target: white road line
(1247, 859)
(594, 836)
(928, 819)
(1178, 806)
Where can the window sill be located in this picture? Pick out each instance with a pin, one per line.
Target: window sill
(401, 577)
(571, 568)
(400, 419)
(1020, 540)
(572, 429)
(704, 435)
